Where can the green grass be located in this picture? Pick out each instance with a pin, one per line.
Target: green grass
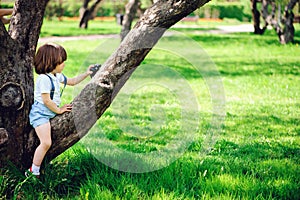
(256, 154)
(70, 28)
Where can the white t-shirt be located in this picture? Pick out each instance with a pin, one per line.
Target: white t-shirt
(43, 85)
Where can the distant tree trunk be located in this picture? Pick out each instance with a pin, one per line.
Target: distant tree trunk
(282, 25)
(140, 10)
(83, 14)
(275, 23)
(17, 48)
(60, 10)
(86, 14)
(289, 30)
(131, 10)
(256, 18)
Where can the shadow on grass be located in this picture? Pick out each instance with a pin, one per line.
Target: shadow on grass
(231, 69)
(269, 38)
(236, 38)
(254, 68)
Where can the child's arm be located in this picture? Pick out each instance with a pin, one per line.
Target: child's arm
(79, 78)
(4, 12)
(53, 107)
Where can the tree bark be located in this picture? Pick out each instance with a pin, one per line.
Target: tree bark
(131, 10)
(86, 13)
(17, 49)
(17, 139)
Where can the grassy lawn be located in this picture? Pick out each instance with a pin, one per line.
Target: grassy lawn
(69, 27)
(160, 122)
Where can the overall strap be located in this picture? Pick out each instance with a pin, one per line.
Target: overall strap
(52, 88)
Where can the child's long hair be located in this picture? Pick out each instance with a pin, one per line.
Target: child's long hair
(48, 57)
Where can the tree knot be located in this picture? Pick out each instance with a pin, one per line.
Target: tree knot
(106, 84)
(12, 96)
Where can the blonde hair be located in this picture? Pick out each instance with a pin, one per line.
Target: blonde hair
(48, 57)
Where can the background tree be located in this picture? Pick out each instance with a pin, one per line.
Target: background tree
(55, 9)
(132, 9)
(85, 13)
(17, 49)
(130, 13)
(256, 18)
(272, 14)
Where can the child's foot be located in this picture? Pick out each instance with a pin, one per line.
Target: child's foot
(30, 172)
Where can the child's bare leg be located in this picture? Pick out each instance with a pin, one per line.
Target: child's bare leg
(44, 134)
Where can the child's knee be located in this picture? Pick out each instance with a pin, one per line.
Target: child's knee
(46, 144)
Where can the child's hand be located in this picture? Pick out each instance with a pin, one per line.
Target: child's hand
(89, 71)
(65, 108)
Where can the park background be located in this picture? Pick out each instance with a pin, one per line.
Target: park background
(256, 154)
(220, 9)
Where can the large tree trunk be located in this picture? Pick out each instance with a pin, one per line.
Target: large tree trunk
(18, 140)
(131, 10)
(17, 49)
(87, 13)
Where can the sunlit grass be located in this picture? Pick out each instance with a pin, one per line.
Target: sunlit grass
(70, 28)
